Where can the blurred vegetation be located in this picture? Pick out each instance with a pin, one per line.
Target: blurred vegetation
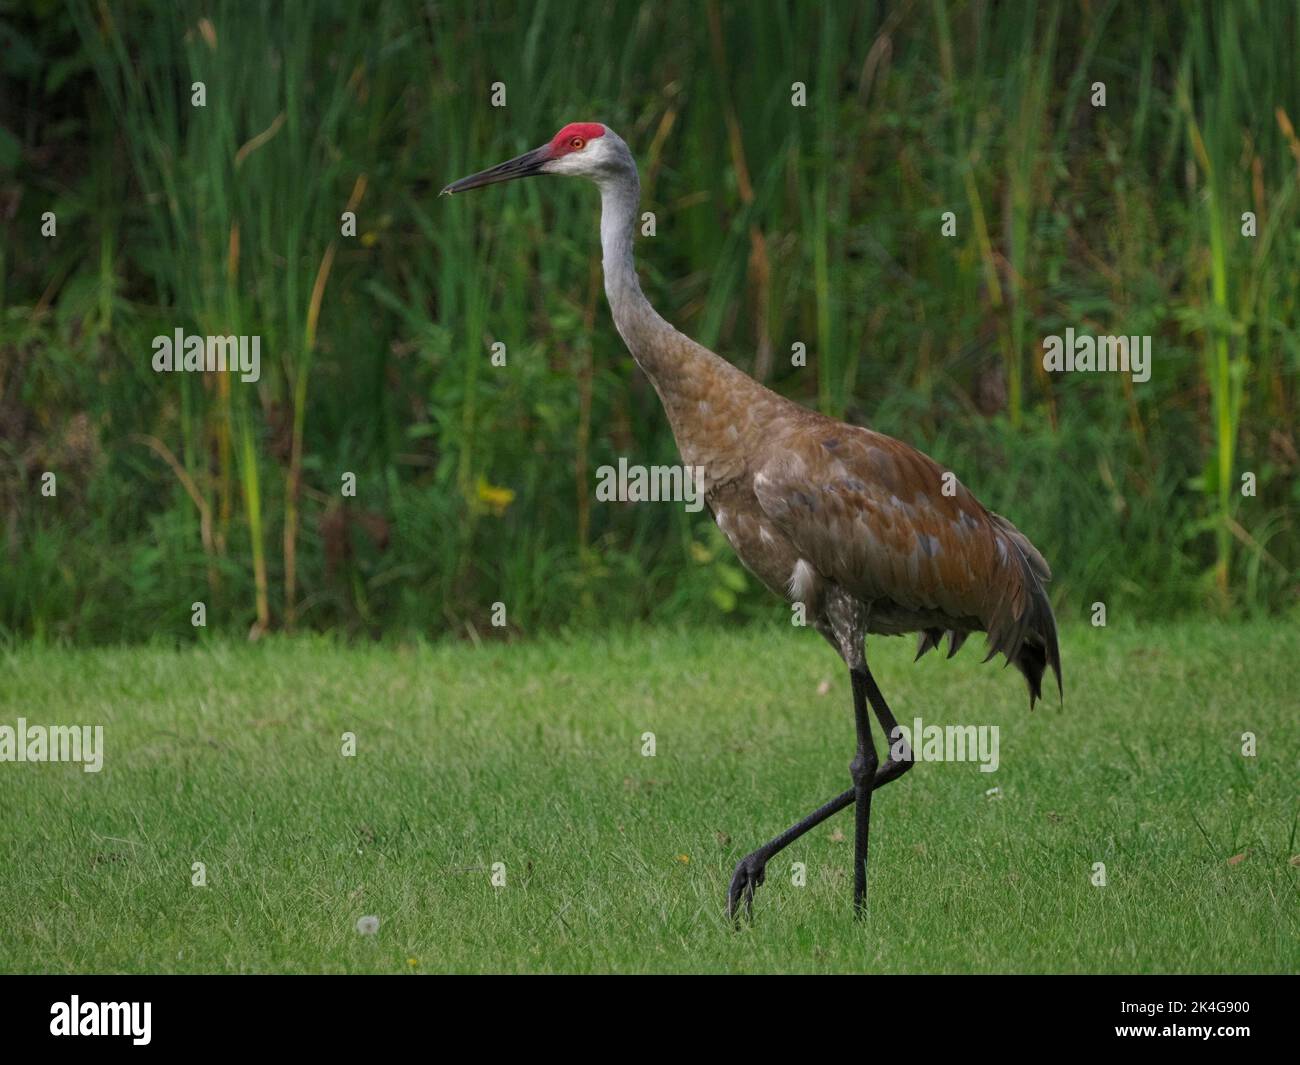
(776, 225)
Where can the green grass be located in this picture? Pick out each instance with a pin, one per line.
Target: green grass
(529, 754)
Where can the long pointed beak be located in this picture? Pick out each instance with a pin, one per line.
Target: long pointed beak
(520, 166)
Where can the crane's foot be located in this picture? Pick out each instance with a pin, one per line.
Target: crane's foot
(749, 874)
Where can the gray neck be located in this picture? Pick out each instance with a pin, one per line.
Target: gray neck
(701, 393)
(648, 337)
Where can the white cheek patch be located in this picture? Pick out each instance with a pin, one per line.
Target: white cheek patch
(565, 164)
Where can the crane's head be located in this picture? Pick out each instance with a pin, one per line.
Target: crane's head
(583, 149)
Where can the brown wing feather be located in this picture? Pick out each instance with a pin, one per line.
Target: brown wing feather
(874, 515)
(870, 513)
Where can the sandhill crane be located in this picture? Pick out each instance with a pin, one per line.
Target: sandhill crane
(867, 533)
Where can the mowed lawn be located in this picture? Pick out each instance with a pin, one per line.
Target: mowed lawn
(530, 755)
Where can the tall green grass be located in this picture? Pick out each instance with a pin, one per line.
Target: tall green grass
(776, 225)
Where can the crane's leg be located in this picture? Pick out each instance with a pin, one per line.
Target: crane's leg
(751, 870)
(863, 770)
(900, 758)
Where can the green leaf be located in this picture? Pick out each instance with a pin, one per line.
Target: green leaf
(732, 577)
(725, 598)
(11, 150)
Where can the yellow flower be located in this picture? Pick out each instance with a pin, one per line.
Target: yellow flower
(685, 859)
(494, 498)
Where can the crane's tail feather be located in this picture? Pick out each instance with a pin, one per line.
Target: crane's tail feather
(1024, 627)
(928, 640)
(1021, 626)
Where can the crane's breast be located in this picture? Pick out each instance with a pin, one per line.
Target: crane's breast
(761, 545)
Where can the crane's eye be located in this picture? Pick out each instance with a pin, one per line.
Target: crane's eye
(577, 142)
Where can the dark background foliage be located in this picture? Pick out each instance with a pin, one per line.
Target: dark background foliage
(776, 225)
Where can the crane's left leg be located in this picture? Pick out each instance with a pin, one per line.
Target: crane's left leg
(863, 770)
